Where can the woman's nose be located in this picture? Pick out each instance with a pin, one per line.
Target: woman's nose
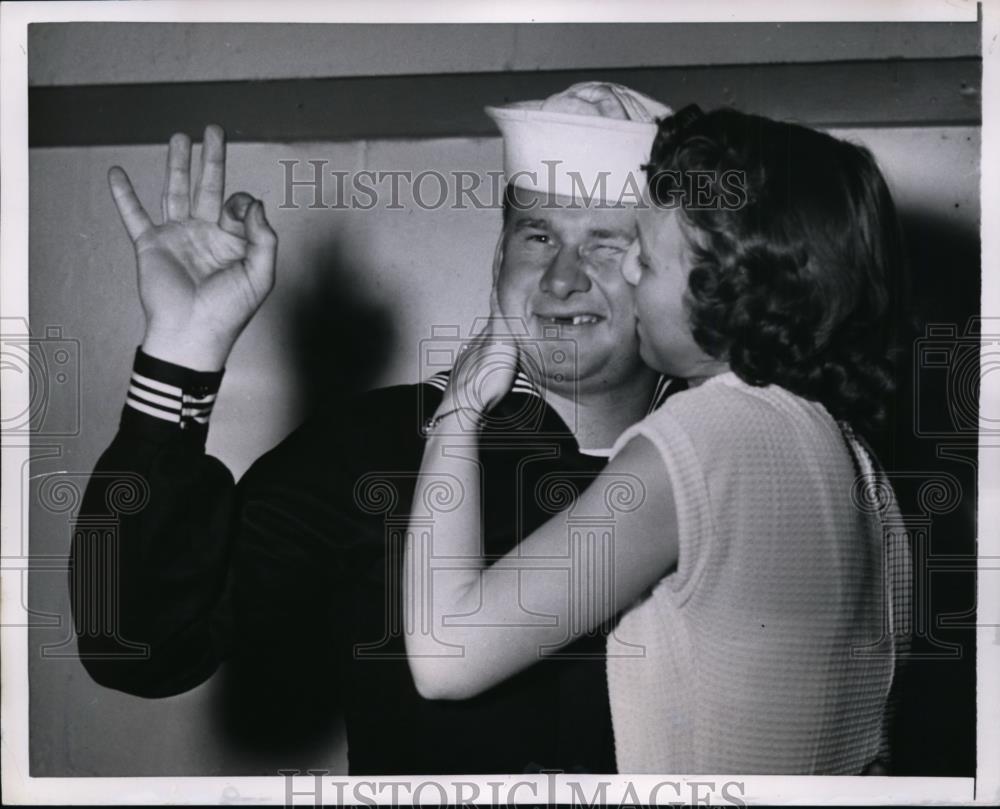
(630, 265)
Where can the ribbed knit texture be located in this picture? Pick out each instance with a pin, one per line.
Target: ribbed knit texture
(768, 649)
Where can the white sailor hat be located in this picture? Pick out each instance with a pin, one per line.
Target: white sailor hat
(587, 142)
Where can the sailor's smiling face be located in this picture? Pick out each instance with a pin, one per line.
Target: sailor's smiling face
(561, 272)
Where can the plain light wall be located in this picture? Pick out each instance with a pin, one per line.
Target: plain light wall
(371, 284)
(103, 53)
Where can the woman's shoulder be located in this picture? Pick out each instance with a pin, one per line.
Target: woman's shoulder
(726, 395)
(727, 412)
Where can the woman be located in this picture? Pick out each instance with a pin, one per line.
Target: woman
(752, 571)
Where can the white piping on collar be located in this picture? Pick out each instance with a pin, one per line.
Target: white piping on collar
(524, 385)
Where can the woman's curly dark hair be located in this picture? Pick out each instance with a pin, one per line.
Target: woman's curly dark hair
(797, 274)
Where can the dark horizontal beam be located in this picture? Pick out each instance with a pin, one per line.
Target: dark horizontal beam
(869, 93)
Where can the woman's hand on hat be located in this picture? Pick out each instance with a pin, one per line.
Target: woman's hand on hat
(208, 266)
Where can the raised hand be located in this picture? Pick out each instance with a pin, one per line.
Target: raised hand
(208, 267)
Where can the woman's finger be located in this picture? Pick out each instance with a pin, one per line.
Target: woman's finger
(176, 201)
(494, 304)
(497, 264)
(133, 215)
(234, 213)
(484, 370)
(211, 184)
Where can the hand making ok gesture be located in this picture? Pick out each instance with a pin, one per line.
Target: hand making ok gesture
(206, 269)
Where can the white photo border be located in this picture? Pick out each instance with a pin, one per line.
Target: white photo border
(20, 788)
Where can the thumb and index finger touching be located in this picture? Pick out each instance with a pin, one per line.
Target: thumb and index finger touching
(262, 245)
(244, 217)
(207, 205)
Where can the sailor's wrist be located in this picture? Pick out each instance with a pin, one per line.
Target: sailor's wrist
(195, 350)
(166, 397)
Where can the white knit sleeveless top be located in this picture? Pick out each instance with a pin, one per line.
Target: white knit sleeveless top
(771, 647)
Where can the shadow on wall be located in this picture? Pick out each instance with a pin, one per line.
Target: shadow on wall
(279, 706)
(932, 463)
(340, 337)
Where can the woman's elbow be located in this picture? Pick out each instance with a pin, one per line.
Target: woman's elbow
(439, 679)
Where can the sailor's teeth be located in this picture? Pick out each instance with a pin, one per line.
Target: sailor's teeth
(575, 320)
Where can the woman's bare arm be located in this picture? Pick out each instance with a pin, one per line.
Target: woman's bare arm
(470, 626)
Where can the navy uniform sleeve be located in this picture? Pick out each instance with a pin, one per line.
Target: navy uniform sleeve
(199, 569)
(150, 597)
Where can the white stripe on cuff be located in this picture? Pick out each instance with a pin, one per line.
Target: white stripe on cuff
(156, 385)
(153, 411)
(171, 404)
(153, 398)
